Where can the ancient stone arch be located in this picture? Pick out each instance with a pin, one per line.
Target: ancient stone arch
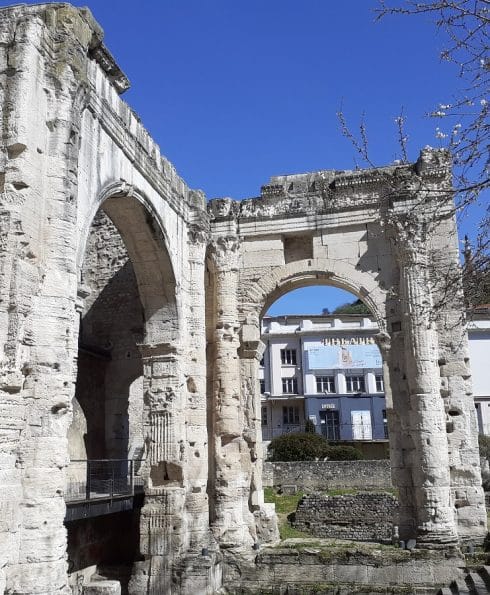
(73, 151)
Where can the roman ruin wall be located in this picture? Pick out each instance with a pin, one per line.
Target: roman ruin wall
(169, 307)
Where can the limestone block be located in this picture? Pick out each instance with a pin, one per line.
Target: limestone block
(139, 579)
(102, 587)
(43, 483)
(39, 577)
(263, 252)
(266, 524)
(9, 545)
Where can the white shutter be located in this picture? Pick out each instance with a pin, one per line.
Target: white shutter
(361, 425)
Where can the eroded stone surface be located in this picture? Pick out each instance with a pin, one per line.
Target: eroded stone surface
(97, 228)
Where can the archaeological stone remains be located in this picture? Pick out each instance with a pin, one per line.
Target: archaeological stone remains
(130, 313)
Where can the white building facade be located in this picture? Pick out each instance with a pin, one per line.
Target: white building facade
(479, 341)
(328, 369)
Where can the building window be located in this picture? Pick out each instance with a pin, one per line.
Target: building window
(261, 364)
(290, 386)
(330, 424)
(290, 416)
(355, 384)
(288, 357)
(264, 416)
(325, 384)
(262, 386)
(380, 385)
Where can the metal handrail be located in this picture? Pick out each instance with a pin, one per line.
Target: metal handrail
(101, 479)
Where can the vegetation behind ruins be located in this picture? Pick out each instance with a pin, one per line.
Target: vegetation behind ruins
(308, 446)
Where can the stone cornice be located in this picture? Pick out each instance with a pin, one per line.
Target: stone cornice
(106, 61)
(319, 193)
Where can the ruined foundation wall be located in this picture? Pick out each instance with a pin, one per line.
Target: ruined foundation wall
(333, 569)
(325, 475)
(358, 517)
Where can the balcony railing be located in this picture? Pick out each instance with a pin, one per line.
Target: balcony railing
(101, 479)
(270, 433)
(333, 433)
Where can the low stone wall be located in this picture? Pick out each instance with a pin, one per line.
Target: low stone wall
(340, 570)
(324, 475)
(360, 517)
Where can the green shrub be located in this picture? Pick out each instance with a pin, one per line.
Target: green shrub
(310, 427)
(344, 453)
(300, 446)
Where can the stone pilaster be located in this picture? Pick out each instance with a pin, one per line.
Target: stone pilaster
(251, 351)
(425, 415)
(197, 439)
(231, 514)
(163, 526)
(396, 396)
(456, 386)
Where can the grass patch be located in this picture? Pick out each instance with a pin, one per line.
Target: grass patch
(285, 505)
(286, 531)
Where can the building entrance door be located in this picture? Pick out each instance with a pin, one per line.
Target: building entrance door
(330, 424)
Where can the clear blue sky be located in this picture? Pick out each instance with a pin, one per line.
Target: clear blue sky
(235, 91)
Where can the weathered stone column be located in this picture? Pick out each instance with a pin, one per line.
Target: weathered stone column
(231, 516)
(163, 522)
(197, 505)
(456, 386)
(396, 397)
(251, 351)
(434, 522)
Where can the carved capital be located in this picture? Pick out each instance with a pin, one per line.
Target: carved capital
(197, 234)
(225, 252)
(160, 399)
(409, 237)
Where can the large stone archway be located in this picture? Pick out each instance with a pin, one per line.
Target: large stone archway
(204, 276)
(386, 236)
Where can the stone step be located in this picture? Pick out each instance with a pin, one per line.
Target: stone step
(484, 572)
(102, 587)
(459, 587)
(476, 582)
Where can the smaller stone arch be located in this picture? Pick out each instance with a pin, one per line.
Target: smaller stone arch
(281, 280)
